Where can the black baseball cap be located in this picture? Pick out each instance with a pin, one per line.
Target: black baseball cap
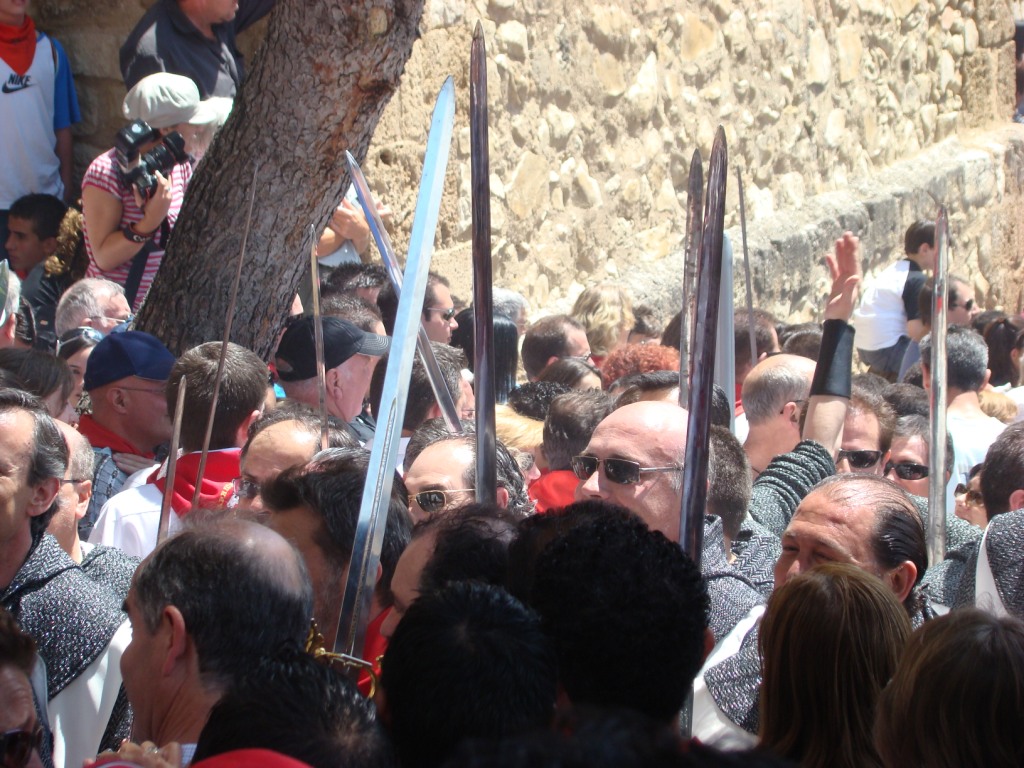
(296, 354)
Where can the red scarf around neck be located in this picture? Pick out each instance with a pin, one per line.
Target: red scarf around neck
(221, 468)
(101, 437)
(18, 45)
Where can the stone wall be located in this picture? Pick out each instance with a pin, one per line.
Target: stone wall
(830, 109)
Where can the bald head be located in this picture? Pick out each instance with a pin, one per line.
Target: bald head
(773, 383)
(75, 492)
(653, 436)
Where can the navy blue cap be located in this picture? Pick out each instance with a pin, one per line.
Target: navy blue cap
(296, 354)
(132, 353)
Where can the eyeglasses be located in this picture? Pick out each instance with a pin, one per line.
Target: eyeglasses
(859, 459)
(16, 746)
(972, 498)
(245, 488)
(119, 320)
(446, 314)
(75, 480)
(968, 305)
(435, 501)
(84, 332)
(619, 471)
(161, 391)
(906, 470)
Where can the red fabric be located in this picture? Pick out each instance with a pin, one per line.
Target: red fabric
(373, 648)
(101, 437)
(221, 468)
(250, 758)
(738, 408)
(553, 490)
(18, 45)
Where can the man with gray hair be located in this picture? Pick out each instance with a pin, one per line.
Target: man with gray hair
(773, 394)
(512, 305)
(92, 303)
(972, 430)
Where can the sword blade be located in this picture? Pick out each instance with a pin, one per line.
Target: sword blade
(746, 271)
(445, 399)
(936, 533)
(230, 316)
(5, 281)
(362, 568)
(691, 254)
(483, 319)
(172, 464)
(318, 341)
(709, 274)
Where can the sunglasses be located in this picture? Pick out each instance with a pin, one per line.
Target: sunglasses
(84, 333)
(16, 746)
(245, 489)
(972, 498)
(968, 305)
(907, 470)
(435, 501)
(619, 471)
(446, 314)
(859, 459)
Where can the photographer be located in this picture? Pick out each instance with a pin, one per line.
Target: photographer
(129, 204)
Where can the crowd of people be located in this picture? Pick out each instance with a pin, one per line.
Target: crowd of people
(560, 623)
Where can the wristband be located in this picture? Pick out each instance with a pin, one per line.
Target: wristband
(833, 374)
(128, 230)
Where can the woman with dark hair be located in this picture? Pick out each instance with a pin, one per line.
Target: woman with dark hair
(506, 350)
(956, 696)
(44, 375)
(829, 642)
(573, 372)
(74, 348)
(1005, 340)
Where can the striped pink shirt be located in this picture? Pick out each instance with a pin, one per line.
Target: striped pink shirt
(104, 174)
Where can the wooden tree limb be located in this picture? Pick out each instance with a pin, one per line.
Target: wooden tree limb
(316, 87)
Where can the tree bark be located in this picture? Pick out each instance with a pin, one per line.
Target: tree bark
(317, 86)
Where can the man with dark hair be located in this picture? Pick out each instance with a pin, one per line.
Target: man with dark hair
(867, 434)
(316, 507)
(34, 221)
(972, 430)
(466, 544)
(438, 309)
(18, 719)
(1002, 481)
(571, 420)
(76, 623)
(364, 281)
(729, 483)
(300, 707)
(553, 338)
(863, 520)
(356, 310)
(206, 607)
(887, 318)
(533, 398)
(627, 613)
(907, 400)
(350, 355)
(486, 652)
(195, 38)
(131, 518)
(443, 475)
(421, 404)
(126, 379)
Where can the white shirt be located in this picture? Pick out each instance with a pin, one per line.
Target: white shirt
(130, 519)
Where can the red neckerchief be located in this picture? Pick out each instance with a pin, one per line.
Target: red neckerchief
(553, 490)
(18, 45)
(101, 437)
(373, 648)
(221, 468)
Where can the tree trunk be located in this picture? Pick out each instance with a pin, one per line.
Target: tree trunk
(316, 87)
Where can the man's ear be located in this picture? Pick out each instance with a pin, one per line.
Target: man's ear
(10, 327)
(176, 642)
(83, 491)
(117, 398)
(988, 376)
(242, 433)
(901, 579)
(1017, 499)
(502, 497)
(43, 494)
(709, 644)
(49, 246)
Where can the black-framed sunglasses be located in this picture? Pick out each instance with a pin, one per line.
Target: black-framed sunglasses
(435, 501)
(16, 746)
(245, 488)
(619, 471)
(446, 314)
(972, 498)
(860, 459)
(906, 470)
(968, 305)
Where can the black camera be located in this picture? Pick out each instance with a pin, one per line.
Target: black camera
(139, 169)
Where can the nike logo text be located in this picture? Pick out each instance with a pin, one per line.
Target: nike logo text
(17, 83)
